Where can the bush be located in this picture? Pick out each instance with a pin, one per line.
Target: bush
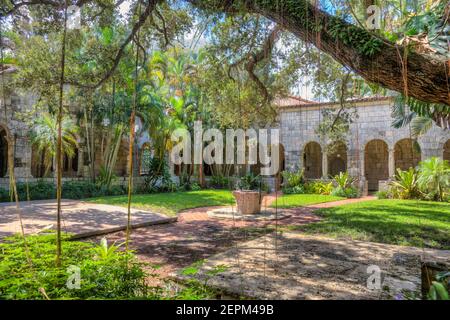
(250, 182)
(405, 185)
(79, 189)
(219, 182)
(434, 178)
(384, 194)
(105, 272)
(293, 179)
(349, 192)
(319, 187)
(294, 190)
(343, 180)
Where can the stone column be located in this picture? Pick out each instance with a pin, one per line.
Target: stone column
(324, 165)
(391, 163)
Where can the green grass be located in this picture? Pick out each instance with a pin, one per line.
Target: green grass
(401, 222)
(172, 202)
(300, 200)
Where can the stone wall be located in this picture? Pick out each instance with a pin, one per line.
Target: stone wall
(364, 161)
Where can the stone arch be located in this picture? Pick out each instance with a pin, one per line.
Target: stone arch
(407, 154)
(446, 154)
(5, 145)
(145, 154)
(312, 160)
(38, 165)
(376, 163)
(337, 158)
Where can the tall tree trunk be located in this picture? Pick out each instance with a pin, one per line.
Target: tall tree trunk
(59, 144)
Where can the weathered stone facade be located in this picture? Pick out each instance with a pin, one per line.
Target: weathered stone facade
(28, 162)
(372, 151)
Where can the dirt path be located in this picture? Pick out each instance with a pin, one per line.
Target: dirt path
(197, 236)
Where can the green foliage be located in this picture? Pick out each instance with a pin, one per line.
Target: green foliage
(294, 190)
(319, 187)
(106, 273)
(430, 181)
(219, 182)
(300, 200)
(293, 182)
(400, 222)
(360, 39)
(39, 190)
(71, 189)
(171, 203)
(348, 192)
(250, 182)
(44, 136)
(383, 194)
(158, 177)
(405, 185)
(434, 178)
(439, 289)
(85, 189)
(418, 114)
(343, 180)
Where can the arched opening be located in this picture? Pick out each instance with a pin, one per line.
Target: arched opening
(406, 154)
(145, 159)
(312, 160)
(39, 167)
(446, 155)
(337, 158)
(3, 152)
(376, 163)
(70, 164)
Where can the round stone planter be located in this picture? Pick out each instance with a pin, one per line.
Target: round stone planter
(247, 201)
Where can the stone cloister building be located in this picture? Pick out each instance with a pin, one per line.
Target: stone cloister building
(371, 152)
(373, 148)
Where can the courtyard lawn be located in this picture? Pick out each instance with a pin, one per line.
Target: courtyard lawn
(172, 202)
(401, 222)
(300, 200)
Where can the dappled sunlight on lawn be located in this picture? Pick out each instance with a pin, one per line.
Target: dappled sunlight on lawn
(171, 202)
(299, 200)
(403, 222)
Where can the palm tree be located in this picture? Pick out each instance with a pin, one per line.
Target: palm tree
(419, 115)
(44, 135)
(434, 177)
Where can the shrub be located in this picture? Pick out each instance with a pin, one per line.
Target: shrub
(383, 194)
(219, 182)
(319, 187)
(39, 190)
(4, 195)
(349, 192)
(79, 189)
(105, 272)
(294, 190)
(293, 179)
(250, 182)
(405, 185)
(434, 178)
(343, 180)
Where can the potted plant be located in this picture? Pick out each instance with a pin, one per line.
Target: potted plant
(249, 196)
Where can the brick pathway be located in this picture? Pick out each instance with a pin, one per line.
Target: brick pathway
(78, 217)
(197, 236)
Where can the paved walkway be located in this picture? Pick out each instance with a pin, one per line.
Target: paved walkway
(298, 266)
(80, 218)
(197, 236)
